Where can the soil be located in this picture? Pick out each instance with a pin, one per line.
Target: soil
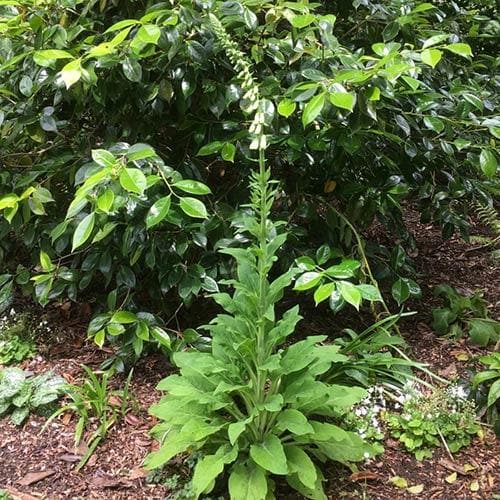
(42, 465)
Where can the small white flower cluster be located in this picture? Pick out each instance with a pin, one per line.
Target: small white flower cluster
(457, 392)
(369, 410)
(8, 319)
(405, 394)
(43, 327)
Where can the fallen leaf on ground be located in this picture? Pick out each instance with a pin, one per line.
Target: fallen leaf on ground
(69, 457)
(132, 420)
(399, 482)
(415, 490)
(363, 475)
(34, 477)
(66, 418)
(449, 372)
(138, 473)
(114, 401)
(474, 486)
(19, 495)
(451, 478)
(447, 464)
(109, 482)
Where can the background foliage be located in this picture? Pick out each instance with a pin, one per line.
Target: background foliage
(368, 103)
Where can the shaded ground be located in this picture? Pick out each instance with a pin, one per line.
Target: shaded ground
(114, 471)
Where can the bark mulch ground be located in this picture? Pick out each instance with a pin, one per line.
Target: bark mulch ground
(35, 465)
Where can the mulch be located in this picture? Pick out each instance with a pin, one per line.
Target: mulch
(35, 465)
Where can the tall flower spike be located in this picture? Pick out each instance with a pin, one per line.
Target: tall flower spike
(253, 103)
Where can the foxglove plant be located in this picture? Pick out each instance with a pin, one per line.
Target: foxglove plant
(254, 407)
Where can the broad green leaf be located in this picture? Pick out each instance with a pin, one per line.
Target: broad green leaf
(26, 85)
(193, 207)
(400, 291)
(313, 108)
(301, 21)
(49, 56)
(133, 180)
(83, 231)
(140, 151)
(58, 231)
(8, 201)
(307, 280)
(301, 464)
(488, 163)
(433, 123)
(104, 231)
(161, 336)
(125, 23)
(142, 330)
(343, 100)
(286, 108)
(350, 293)
(100, 337)
(45, 262)
(483, 331)
(294, 421)
(103, 158)
(105, 200)
(270, 455)
(247, 482)
(431, 56)
(148, 33)
(158, 211)
(123, 317)
(494, 393)
(370, 292)
(234, 431)
(206, 471)
(228, 151)
(462, 49)
(461, 144)
(132, 69)
(192, 187)
(323, 292)
(433, 40)
(211, 148)
(346, 269)
(71, 73)
(403, 124)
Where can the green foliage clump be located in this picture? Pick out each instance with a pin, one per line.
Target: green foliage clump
(16, 338)
(426, 421)
(21, 393)
(464, 312)
(91, 401)
(486, 385)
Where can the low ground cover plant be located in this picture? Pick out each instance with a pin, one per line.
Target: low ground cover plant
(22, 393)
(464, 314)
(16, 338)
(441, 417)
(422, 418)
